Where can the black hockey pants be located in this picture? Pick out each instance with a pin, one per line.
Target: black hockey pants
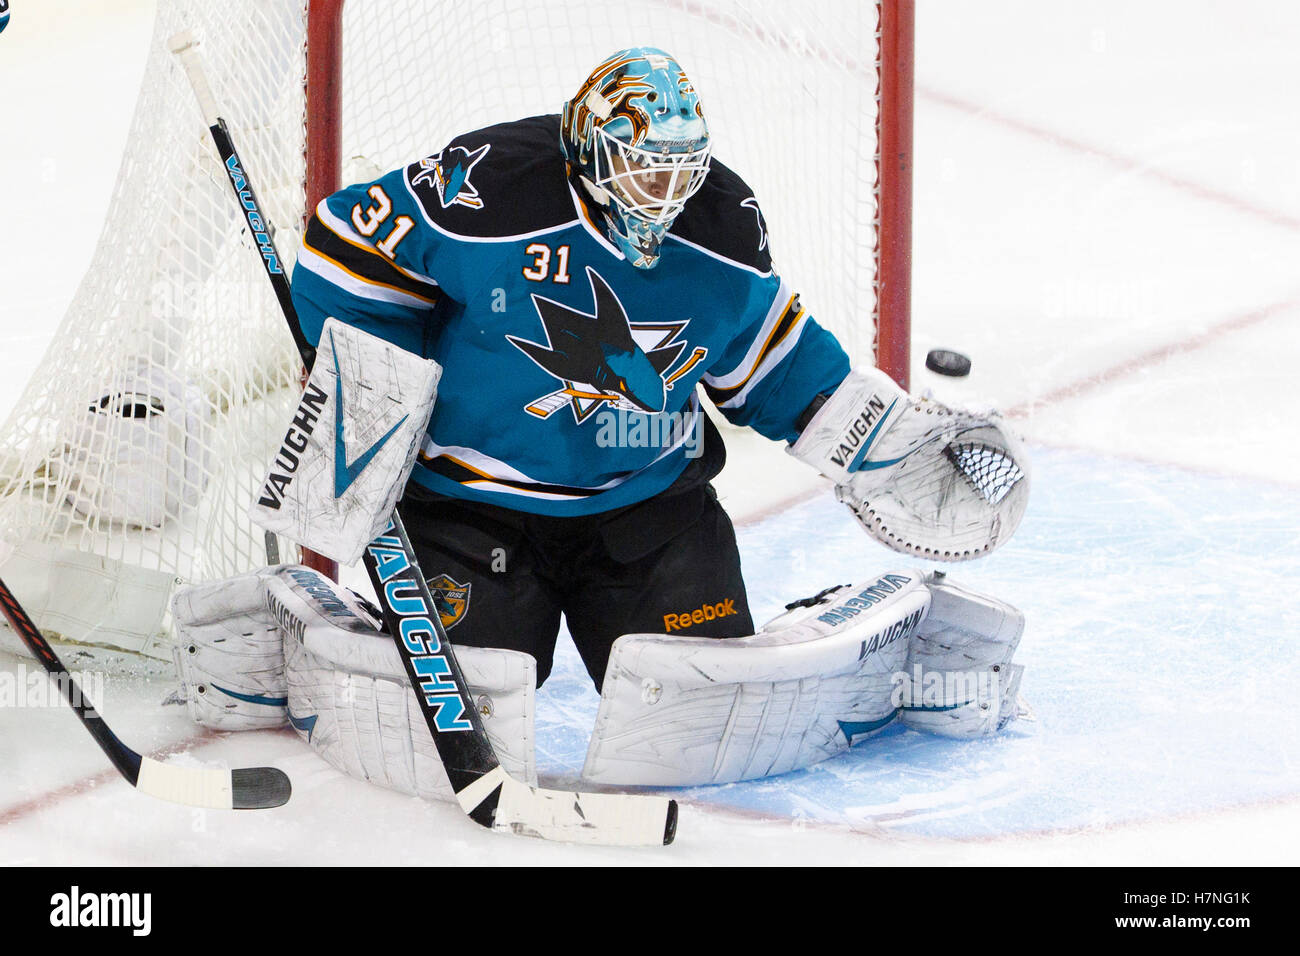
(502, 578)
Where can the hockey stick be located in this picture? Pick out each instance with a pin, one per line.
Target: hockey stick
(255, 788)
(485, 792)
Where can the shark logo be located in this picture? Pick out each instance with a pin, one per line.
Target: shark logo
(752, 203)
(602, 359)
(448, 173)
(450, 598)
(306, 725)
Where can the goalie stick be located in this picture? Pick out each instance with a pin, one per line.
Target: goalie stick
(485, 792)
(256, 788)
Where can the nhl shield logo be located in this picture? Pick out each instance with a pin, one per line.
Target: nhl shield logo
(450, 598)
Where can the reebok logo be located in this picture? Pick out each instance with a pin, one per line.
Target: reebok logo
(707, 612)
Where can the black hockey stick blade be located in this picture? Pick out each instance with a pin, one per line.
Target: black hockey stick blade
(255, 788)
(259, 788)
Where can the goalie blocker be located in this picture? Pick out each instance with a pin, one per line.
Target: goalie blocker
(350, 447)
(287, 645)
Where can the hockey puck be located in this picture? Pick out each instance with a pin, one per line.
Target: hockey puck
(947, 363)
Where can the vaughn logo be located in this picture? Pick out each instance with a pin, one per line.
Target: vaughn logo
(864, 599)
(294, 444)
(433, 678)
(850, 450)
(75, 908)
(261, 232)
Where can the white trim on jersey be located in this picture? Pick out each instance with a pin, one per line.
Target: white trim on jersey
(770, 362)
(336, 275)
(590, 226)
(720, 258)
(345, 231)
(745, 367)
(493, 468)
(756, 365)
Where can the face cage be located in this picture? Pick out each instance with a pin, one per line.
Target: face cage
(631, 175)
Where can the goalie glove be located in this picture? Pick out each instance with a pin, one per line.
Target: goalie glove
(922, 478)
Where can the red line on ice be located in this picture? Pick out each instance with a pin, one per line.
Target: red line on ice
(1118, 160)
(1149, 358)
(46, 800)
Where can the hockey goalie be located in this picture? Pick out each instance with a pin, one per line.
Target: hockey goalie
(489, 316)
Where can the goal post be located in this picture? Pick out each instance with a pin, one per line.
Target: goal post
(129, 461)
(893, 254)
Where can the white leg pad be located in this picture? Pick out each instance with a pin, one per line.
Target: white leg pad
(229, 654)
(286, 643)
(960, 681)
(680, 711)
(349, 697)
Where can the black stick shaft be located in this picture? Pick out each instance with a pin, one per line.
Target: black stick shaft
(126, 760)
(437, 680)
(453, 719)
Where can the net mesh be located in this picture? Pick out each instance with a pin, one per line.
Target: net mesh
(129, 461)
(790, 97)
(990, 470)
(130, 458)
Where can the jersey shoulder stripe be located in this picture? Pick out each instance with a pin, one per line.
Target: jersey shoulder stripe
(498, 182)
(363, 262)
(780, 329)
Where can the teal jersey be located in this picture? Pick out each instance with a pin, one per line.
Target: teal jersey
(570, 377)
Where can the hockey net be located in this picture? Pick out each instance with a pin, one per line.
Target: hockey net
(128, 463)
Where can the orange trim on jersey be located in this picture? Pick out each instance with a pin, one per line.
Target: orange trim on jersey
(364, 247)
(497, 481)
(772, 342)
(690, 364)
(361, 278)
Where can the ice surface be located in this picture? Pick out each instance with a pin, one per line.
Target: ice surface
(1157, 600)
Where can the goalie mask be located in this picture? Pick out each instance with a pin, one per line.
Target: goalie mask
(635, 136)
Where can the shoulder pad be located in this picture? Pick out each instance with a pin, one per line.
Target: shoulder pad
(503, 180)
(724, 218)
